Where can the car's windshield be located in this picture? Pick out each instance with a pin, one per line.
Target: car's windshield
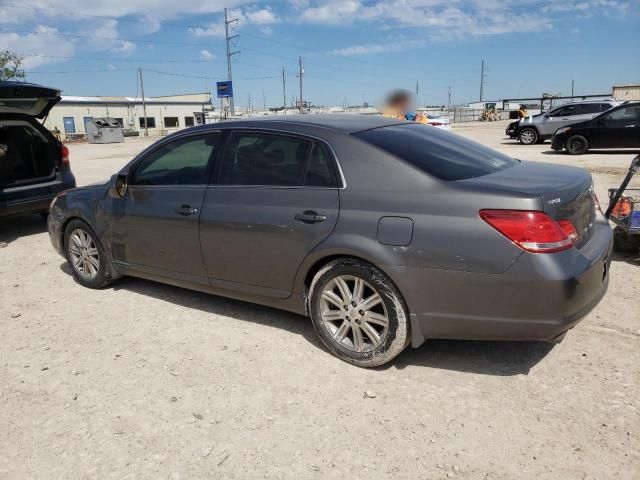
(444, 155)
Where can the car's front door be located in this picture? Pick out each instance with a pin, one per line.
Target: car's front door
(618, 129)
(561, 117)
(155, 225)
(276, 198)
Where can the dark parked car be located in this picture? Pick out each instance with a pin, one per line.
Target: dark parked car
(34, 165)
(617, 128)
(384, 232)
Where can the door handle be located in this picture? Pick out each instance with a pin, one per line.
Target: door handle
(186, 210)
(630, 126)
(310, 216)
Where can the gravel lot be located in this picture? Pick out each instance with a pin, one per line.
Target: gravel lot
(143, 380)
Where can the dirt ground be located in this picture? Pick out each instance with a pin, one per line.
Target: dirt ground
(143, 380)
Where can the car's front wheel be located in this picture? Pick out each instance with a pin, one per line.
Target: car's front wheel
(577, 145)
(85, 256)
(528, 136)
(358, 313)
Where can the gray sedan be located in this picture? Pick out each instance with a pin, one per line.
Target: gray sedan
(384, 232)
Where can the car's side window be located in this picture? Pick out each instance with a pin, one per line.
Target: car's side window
(320, 172)
(184, 161)
(588, 108)
(568, 111)
(264, 159)
(623, 114)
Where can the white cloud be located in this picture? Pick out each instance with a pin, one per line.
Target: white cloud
(206, 55)
(212, 30)
(124, 46)
(371, 48)
(263, 16)
(453, 18)
(332, 12)
(38, 47)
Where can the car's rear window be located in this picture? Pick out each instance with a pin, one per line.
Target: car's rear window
(444, 155)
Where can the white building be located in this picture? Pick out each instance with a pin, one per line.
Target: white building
(164, 114)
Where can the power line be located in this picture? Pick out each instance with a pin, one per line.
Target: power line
(95, 37)
(106, 59)
(172, 23)
(104, 70)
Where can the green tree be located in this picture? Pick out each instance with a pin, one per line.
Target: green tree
(10, 66)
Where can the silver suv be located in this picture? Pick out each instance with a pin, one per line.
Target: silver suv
(538, 128)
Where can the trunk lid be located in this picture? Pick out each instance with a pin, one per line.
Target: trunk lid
(565, 192)
(27, 99)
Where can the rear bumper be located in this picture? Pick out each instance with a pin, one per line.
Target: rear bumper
(34, 198)
(539, 298)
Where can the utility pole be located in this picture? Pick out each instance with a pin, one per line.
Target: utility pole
(284, 92)
(417, 89)
(264, 101)
(227, 22)
(300, 74)
(482, 77)
(449, 104)
(572, 82)
(144, 105)
(249, 100)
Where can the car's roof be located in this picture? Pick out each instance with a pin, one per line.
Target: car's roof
(339, 122)
(13, 83)
(580, 102)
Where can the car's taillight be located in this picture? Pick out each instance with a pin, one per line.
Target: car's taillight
(533, 231)
(435, 124)
(64, 154)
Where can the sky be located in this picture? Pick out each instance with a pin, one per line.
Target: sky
(353, 51)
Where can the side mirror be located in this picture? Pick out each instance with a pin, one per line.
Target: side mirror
(121, 185)
(118, 185)
(635, 164)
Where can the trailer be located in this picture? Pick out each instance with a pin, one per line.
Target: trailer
(624, 212)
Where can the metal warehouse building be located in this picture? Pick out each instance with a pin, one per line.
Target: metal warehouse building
(164, 114)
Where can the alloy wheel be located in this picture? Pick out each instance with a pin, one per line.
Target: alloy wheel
(354, 314)
(84, 254)
(528, 137)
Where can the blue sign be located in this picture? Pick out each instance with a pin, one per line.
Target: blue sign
(224, 89)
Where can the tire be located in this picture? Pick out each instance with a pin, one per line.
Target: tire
(625, 243)
(369, 333)
(528, 136)
(576, 145)
(85, 256)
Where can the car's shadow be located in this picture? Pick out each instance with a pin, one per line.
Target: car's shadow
(481, 357)
(484, 358)
(12, 228)
(630, 152)
(630, 258)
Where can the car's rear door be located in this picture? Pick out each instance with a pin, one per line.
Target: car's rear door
(155, 226)
(619, 128)
(275, 199)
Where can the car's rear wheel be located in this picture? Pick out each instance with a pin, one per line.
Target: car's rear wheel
(85, 256)
(358, 313)
(625, 243)
(528, 136)
(576, 145)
